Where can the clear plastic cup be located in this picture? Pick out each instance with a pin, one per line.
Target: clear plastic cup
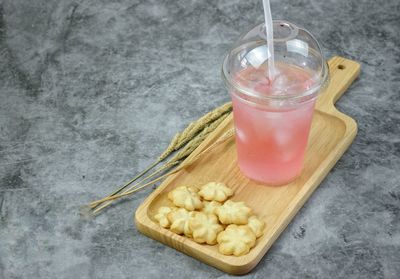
(272, 120)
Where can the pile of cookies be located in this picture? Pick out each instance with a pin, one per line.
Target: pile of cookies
(207, 216)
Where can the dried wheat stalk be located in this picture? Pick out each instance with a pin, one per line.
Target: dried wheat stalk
(226, 136)
(182, 154)
(178, 141)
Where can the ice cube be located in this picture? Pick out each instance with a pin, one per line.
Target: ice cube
(282, 137)
(241, 135)
(280, 83)
(286, 142)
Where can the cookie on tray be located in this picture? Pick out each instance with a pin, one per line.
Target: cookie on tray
(186, 197)
(233, 213)
(256, 225)
(205, 228)
(215, 191)
(179, 220)
(161, 216)
(209, 207)
(236, 240)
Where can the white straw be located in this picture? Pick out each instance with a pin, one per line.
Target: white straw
(270, 40)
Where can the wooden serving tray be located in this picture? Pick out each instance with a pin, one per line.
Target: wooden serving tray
(331, 134)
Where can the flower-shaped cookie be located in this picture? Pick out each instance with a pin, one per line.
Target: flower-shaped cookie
(233, 213)
(179, 220)
(161, 216)
(236, 240)
(215, 191)
(256, 225)
(209, 207)
(205, 228)
(186, 197)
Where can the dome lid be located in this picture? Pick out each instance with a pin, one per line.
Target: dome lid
(300, 68)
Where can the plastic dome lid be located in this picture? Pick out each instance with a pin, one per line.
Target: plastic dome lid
(294, 47)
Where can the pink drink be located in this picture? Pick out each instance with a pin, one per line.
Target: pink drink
(271, 140)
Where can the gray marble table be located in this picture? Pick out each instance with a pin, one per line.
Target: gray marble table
(92, 91)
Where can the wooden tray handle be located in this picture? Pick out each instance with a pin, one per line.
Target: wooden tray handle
(342, 72)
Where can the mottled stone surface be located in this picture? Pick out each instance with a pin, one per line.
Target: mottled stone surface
(92, 90)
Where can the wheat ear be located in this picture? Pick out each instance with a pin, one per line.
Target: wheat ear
(179, 140)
